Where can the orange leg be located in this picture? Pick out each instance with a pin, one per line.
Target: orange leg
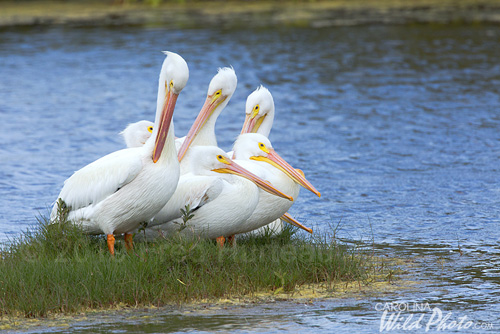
(129, 245)
(111, 244)
(232, 240)
(220, 242)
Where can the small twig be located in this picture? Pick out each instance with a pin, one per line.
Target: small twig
(186, 216)
(62, 211)
(142, 229)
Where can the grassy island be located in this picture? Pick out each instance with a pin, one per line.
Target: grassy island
(57, 269)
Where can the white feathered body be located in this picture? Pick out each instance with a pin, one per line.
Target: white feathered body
(273, 228)
(219, 203)
(117, 192)
(269, 207)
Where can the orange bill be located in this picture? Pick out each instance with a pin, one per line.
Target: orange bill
(234, 168)
(290, 220)
(274, 159)
(165, 121)
(211, 103)
(252, 123)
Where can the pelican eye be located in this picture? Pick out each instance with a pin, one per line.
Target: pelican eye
(222, 159)
(150, 129)
(255, 111)
(217, 94)
(168, 87)
(263, 147)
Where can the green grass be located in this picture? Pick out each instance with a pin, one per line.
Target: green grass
(57, 269)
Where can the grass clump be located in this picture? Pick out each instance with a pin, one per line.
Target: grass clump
(55, 268)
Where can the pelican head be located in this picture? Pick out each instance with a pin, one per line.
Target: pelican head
(174, 73)
(136, 134)
(259, 112)
(173, 78)
(209, 159)
(219, 93)
(255, 146)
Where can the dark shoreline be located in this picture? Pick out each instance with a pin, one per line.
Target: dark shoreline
(198, 14)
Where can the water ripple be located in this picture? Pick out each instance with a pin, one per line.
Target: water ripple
(398, 127)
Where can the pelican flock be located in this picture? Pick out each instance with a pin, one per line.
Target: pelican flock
(214, 185)
(158, 176)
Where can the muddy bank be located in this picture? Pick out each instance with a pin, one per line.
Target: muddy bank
(306, 295)
(249, 13)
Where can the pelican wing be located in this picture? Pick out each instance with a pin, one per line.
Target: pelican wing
(192, 190)
(100, 179)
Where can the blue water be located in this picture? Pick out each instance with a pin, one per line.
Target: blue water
(397, 126)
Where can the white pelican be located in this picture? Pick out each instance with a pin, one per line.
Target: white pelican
(219, 193)
(259, 118)
(117, 192)
(259, 112)
(202, 132)
(136, 134)
(254, 152)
